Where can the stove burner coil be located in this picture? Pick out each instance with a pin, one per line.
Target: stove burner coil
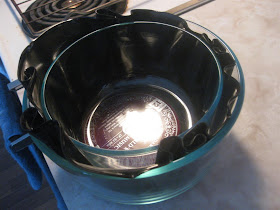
(42, 14)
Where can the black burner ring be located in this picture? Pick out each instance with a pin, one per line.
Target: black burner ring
(42, 14)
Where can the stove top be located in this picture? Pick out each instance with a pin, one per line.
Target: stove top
(41, 14)
(38, 15)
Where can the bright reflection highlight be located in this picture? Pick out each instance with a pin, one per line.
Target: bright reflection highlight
(143, 125)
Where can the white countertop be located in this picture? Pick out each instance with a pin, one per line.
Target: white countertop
(247, 175)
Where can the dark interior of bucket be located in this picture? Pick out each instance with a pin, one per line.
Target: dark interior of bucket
(126, 53)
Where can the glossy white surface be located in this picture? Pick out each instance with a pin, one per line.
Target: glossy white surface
(247, 174)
